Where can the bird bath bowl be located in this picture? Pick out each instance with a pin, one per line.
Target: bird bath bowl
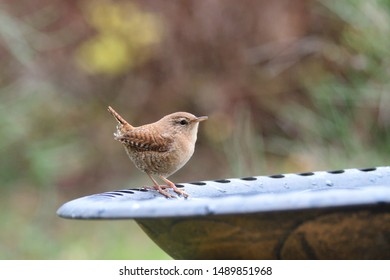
(342, 214)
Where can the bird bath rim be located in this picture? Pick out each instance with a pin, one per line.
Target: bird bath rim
(257, 194)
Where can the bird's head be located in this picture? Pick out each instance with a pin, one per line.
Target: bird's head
(182, 123)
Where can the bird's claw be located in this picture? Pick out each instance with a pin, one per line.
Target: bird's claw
(165, 193)
(180, 192)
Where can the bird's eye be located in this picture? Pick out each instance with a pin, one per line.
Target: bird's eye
(183, 122)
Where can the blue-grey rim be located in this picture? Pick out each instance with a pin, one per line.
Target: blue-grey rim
(282, 192)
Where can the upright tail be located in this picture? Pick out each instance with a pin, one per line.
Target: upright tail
(120, 120)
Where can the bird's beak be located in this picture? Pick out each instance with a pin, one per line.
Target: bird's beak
(201, 119)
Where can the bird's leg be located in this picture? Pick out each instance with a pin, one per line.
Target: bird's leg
(172, 185)
(159, 189)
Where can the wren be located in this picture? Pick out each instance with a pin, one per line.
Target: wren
(160, 148)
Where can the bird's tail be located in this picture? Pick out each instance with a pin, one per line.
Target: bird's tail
(123, 125)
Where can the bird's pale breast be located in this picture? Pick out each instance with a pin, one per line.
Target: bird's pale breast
(161, 163)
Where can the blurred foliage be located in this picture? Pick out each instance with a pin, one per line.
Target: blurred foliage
(124, 36)
(289, 86)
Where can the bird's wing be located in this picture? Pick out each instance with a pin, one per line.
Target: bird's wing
(145, 140)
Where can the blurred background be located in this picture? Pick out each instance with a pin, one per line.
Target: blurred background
(289, 86)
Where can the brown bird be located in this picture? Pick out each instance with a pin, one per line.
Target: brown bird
(160, 148)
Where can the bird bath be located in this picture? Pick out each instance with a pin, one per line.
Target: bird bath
(341, 214)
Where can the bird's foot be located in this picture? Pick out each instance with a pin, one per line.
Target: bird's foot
(180, 192)
(165, 193)
(173, 186)
(160, 189)
(177, 190)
